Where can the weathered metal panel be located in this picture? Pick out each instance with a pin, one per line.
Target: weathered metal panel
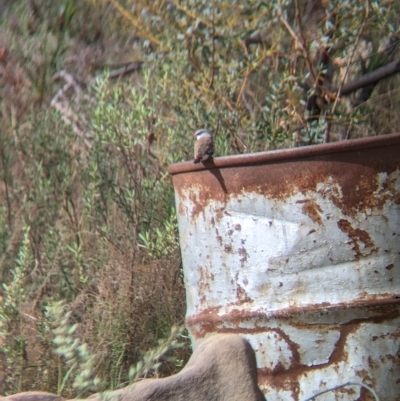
(299, 251)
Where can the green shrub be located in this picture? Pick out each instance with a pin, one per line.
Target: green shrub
(90, 267)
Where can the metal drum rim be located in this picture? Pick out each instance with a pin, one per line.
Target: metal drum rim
(280, 155)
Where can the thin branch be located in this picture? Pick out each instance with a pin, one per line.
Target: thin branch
(190, 14)
(247, 74)
(352, 55)
(327, 130)
(127, 15)
(299, 41)
(45, 281)
(5, 179)
(212, 71)
(302, 36)
(370, 78)
(131, 67)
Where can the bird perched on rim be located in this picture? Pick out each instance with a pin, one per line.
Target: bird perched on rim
(204, 145)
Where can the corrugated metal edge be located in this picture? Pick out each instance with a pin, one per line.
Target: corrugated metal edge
(213, 314)
(286, 154)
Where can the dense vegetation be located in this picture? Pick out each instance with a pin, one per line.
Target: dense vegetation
(97, 98)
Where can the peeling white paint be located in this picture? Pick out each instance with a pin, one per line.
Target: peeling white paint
(302, 280)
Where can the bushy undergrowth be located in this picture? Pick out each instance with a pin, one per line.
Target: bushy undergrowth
(264, 75)
(76, 238)
(90, 265)
(89, 257)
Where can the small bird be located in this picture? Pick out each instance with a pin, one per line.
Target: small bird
(204, 145)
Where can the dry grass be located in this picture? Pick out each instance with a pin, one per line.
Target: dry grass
(82, 175)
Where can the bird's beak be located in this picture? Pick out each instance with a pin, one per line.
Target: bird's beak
(194, 135)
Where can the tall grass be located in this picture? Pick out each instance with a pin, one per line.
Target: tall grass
(90, 267)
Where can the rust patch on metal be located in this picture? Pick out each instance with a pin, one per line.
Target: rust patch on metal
(297, 370)
(197, 202)
(278, 377)
(219, 237)
(277, 156)
(372, 363)
(357, 185)
(293, 347)
(356, 235)
(241, 294)
(351, 178)
(364, 374)
(348, 391)
(181, 209)
(312, 210)
(206, 278)
(210, 318)
(228, 248)
(287, 378)
(244, 255)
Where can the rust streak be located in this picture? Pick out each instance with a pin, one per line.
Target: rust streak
(280, 377)
(312, 210)
(387, 306)
(357, 235)
(350, 180)
(244, 255)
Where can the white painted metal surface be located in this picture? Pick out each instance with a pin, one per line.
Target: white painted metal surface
(306, 267)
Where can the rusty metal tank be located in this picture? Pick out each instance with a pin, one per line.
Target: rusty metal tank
(298, 250)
